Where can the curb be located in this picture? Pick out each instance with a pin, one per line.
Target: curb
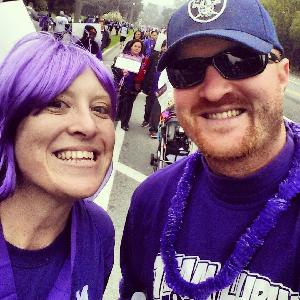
(110, 49)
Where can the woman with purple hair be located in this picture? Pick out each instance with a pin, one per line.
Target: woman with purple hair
(57, 106)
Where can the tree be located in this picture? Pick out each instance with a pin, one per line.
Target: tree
(166, 15)
(113, 16)
(284, 14)
(128, 10)
(151, 15)
(57, 5)
(178, 3)
(294, 35)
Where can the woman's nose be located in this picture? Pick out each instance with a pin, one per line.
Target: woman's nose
(83, 122)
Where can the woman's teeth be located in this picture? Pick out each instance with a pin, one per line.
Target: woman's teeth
(224, 115)
(71, 155)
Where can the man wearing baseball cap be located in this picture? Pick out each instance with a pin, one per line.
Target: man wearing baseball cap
(224, 223)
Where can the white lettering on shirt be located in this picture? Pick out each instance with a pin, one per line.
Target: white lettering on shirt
(84, 293)
(247, 286)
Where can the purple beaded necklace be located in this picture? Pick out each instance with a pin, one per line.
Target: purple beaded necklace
(248, 243)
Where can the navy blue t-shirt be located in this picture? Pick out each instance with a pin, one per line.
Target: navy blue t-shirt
(219, 211)
(35, 271)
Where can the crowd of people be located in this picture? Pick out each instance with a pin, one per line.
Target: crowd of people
(221, 223)
(92, 40)
(129, 84)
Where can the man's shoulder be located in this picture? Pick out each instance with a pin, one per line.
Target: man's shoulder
(166, 178)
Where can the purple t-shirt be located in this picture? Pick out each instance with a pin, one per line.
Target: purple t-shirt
(218, 212)
(149, 45)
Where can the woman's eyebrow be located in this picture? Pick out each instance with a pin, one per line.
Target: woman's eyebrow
(101, 97)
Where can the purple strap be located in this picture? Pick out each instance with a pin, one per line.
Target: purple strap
(62, 287)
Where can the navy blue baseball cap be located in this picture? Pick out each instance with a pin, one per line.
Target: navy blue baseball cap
(243, 21)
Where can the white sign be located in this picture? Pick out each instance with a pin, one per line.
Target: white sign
(15, 23)
(128, 64)
(78, 28)
(160, 38)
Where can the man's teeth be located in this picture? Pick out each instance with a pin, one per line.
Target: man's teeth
(75, 155)
(224, 115)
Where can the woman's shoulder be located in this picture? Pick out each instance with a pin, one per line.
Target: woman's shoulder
(98, 216)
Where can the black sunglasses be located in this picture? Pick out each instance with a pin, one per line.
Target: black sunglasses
(235, 63)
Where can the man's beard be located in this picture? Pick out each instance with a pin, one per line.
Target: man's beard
(263, 129)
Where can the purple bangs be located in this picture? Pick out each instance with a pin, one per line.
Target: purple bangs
(34, 72)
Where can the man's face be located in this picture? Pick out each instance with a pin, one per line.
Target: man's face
(230, 119)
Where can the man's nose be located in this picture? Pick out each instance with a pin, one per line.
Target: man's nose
(83, 123)
(214, 85)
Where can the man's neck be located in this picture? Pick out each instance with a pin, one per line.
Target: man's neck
(241, 167)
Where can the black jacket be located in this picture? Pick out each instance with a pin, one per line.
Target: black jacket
(151, 72)
(105, 39)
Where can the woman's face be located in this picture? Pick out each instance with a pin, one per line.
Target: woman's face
(65, 149)
(138, 35)
(136, 48)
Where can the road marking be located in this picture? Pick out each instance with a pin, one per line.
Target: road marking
(294, 81)
(289, 91)
(103, 198)
(137, 176)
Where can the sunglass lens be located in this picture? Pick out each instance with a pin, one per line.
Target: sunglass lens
(240, 65)
(186, 73)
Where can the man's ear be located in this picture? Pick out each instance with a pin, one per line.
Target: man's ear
(283, 72)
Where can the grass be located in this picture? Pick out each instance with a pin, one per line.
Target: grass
(115, 39)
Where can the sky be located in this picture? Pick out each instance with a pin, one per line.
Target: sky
(167, 3)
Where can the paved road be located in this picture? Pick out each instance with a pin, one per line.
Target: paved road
(292, 99)
(131, 165)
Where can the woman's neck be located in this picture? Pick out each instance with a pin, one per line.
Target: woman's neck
(33, 221)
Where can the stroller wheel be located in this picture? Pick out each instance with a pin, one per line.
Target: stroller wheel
(154, 162)
(152, 159)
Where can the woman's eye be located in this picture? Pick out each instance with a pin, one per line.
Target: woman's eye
(102, 110)
(56, 105)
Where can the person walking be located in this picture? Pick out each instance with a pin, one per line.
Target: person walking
(45, 22)
(150, 88)
(222, 223)
(105, 36)
(88, 41)
(123, 34)
(149, 43)
(128, 82)
(60, 23)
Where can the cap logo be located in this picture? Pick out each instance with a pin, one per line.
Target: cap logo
(204, 11)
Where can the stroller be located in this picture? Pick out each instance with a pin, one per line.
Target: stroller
(173, 142)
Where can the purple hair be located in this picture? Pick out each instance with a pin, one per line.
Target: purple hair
(35, 71)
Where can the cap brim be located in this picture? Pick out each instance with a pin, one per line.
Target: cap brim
(232, 35)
